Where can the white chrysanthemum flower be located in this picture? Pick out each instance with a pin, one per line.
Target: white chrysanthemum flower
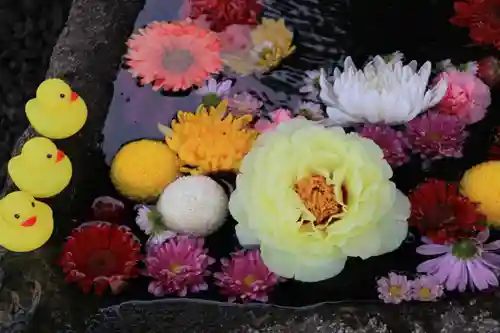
(383, 92)
(194, 205)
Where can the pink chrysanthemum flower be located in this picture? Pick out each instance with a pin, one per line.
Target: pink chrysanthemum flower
(392, 143)
(178, 266)
(173, 56)
(426, 288)
(435, 135)
(394, 289)
(467, 261)
(245, 277)
(244, 103)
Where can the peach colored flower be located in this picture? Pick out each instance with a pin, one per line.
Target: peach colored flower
(277, 117)
(467, 97)
(174, 56)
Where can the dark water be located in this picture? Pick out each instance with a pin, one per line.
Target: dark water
(325, 33)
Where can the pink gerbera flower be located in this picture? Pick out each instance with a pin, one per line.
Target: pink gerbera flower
(435, 135)
(394, 289)
(426, 288)
(392, 143)
(178, 266)
(468, 261)
(245, 277)
(174, 56)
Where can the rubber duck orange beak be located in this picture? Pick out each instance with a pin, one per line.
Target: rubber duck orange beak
(60, 156)
(29, 222)
(74, 96)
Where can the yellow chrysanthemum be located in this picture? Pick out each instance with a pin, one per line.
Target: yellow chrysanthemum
(481, 184)
(209, 141)
(312, 196)
(272, 42)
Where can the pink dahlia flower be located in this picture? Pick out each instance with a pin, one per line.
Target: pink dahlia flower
(392, 143)
(178, 266)
(426, 288)
(468, 261)
(245, 277)
(277, 117)
(174, 56)
(436, 135)
(394, 289)
(467, 96)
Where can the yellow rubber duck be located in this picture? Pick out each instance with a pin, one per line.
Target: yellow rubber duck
(25, 224)
(41, 169)
(57, 112)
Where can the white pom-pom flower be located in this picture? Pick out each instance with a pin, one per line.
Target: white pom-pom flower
(383, 92)
(194, 205)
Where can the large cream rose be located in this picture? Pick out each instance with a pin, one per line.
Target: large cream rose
(344, 181)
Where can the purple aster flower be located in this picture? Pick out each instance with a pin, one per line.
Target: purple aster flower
(310, 110)
(435, 135)
(213, 92)
(392, 143)
(311, 84)
(426, 288)
(467, 261)
(394, 289)
(244, 103)
(178, 266)
(245, 277)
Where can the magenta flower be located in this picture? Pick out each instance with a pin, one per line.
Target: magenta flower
(394, 289)
(435, 135)
(426, 288)
(244, 103)
(467, 261)
(277, 117)
(392, 143)
(178, 266)
(245, 277)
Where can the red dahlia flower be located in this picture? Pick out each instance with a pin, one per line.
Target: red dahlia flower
(441, 213)
(482, 17)
(101, 254)
(223, 13)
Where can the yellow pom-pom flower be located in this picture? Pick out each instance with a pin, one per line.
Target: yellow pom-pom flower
(481, 184)
(312, 196)
(210, 141)
(271, 43)
(142, 169)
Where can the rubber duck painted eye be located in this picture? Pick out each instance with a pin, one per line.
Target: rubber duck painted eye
(17, 216)
(49, 155)
(62, 95)
(33, 204)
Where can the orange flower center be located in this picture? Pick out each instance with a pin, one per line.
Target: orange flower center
(425, 294)
(249, 280)
(395, 291)
(319, 198)
(176, 268)
(177, 61)
(434, 136)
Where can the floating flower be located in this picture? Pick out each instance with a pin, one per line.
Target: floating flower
(245, 277)
(108, 209)
(173, 56)
(150, 221)
(426, 288)
(311, 85)
(271, 43)
(394, 289)
(481, 185)
(178, 266)
(467, 261)
(481, 19)
(244, 103)
(277, 117)
(494, 151)
(380, 93)
(100, 255)
(311, 111)
(207, 141)
(489, 70)
(312, 196)
(435, 135)
(236, 38)
(467, 97)
(441, 213)
(224, 13)
(213, 92)
(392, 143)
